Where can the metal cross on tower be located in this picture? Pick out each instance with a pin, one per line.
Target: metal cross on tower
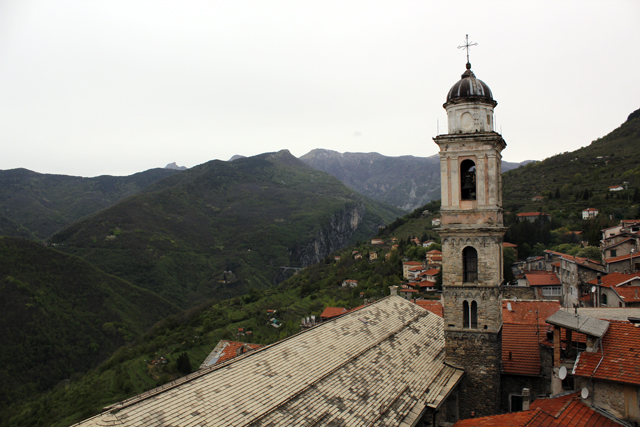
(467, 45)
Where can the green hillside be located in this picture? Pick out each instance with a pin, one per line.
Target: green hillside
(197, 331)
(45, 203)
(220, 228)
(573, 181)
(60, 316)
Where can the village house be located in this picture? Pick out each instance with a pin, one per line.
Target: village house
(545, 285)
(406, 266)
(589, 213)
(429, 274)
(350, 283)
(433, 257)
(615, 290)
(414, 272)
(624, 263)
(435, 222)
(537, 199)
(533, 216)
(574, 273)
(377, 242)
(616, 188)
(373, 256)
(426, 285)
(428, 243)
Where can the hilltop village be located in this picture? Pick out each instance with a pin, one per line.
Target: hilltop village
(467, 338)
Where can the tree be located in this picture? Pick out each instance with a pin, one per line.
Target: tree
(509, 256)
(184, 364)
(590, 252)
(438, 284)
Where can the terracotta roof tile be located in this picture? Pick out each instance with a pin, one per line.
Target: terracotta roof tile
(520, 349)
(330, 312)
(528, 312)
(543, 279)
(563, 411)
(621, 258)
(433, 306)
(614, 279)
(621, 345)
(628, 293)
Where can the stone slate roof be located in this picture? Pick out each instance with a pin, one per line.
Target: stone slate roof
(621, 345)
(379, 366)
(563, 411)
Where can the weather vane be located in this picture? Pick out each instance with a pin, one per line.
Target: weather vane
(467, 45)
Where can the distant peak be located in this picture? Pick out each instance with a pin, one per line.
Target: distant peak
(236, 157)
(174, 166)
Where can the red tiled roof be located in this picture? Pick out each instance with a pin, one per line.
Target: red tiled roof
(508, 245)
(628, 293)
(556, 264)
(528, 312)
(621, 345)
(432, 271)
(412, 263)
(435, 252)
(543, 279)
(524, 214)
(563, 411)
(330, 312)
(408, 290)
(416, 268)
(590, 210)
(621, 258)
(520, 349)
(230, 351)
(614, 279)
(433, 306)
(426, 284)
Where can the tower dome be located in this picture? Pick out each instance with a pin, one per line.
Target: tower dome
(469, 87)
(470, 105)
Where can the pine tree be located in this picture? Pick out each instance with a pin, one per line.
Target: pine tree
(184, 364)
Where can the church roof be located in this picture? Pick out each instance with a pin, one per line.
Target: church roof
(469, 87)
(381, 365)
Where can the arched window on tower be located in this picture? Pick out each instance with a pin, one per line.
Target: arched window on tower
(469, 265)
(468, 180)
(469, 315)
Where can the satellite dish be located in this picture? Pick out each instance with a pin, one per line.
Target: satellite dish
(585, 393)
(562, 373)
(593, 289)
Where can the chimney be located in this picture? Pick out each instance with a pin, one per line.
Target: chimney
(526, 399)
(599, 279)
(394, 290)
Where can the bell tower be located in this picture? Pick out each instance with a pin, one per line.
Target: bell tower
(472, 231)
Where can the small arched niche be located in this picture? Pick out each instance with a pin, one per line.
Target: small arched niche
(469, 264)
(468, 180)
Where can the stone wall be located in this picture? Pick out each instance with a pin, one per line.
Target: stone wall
(479, 355)
(520, 292)
(621, 400)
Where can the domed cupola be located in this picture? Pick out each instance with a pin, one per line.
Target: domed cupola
(470, 105)
(469, 87)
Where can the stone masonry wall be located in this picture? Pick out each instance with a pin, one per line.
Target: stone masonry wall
(479, 355)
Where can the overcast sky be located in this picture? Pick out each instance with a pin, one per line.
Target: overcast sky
(116, 87)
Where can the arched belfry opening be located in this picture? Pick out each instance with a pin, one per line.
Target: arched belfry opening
(468, 180)
(469, 264)
(470, 315)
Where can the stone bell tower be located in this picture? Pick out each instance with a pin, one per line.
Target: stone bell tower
(471, 232)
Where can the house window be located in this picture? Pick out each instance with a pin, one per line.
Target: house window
(470, 315)
(603, 299)
(468, 180)
(551, 291)
(469, 264)
(613, 253)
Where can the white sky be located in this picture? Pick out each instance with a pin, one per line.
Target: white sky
(117, 87)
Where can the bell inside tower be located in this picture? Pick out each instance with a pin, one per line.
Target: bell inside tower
(468, 181)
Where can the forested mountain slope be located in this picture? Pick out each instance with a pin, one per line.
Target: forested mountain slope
(222, 227)
(59, 315)
(406, 182)
(573, 181)
(45, 203)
